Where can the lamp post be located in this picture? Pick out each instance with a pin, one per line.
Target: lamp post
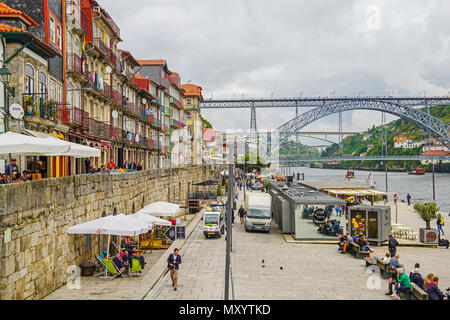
(5, 77)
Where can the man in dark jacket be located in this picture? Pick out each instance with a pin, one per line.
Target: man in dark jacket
(433, 290)
(11, 167)
(173, 262)
(392, 245)
(393, 266)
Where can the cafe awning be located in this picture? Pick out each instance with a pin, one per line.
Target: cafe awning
(356, 192)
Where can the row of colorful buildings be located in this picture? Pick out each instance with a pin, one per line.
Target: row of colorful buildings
(75, 83)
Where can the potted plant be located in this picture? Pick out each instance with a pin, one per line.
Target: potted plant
(427, 212)
(30, 105)
(219, 191)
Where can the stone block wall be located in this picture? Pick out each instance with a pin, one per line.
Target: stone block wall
(35, 261)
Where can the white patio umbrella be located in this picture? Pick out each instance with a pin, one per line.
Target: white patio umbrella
(16, 144)
(141, 216)
(161, 209)
(120, 225)
(77, 150)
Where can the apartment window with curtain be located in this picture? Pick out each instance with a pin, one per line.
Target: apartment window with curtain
(52, 30)
(42, 78)
(29, 79)
(58, 37)
(58, 93)
(52, 89)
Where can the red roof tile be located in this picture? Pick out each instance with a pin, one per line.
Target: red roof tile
(6, 28)
(152, 62)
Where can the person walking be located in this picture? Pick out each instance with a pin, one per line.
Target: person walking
(173, 263)
(392, 245)
(408, 198)
(395, 198)
(241, 213)
(440, 223)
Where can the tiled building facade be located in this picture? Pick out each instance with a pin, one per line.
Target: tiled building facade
(87, 90)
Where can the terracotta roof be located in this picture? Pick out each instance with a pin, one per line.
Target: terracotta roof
(192, 89)
(152, 62)
(435, 153)
(6, 11)
(128, 55)
(138, 76)
(6, 28)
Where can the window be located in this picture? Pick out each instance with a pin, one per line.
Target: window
(42, 83)
(70, 93)
(59, 93)
(52, 30)
(69, 43)
(29, 79)
(189, 102)
(52, 89)
(58, 37)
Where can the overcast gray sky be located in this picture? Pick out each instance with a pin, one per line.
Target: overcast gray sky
(259, 47)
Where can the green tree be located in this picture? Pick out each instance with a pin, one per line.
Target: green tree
(219, 191)
(427, 212)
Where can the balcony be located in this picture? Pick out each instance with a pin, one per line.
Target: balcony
(115, 96)
(76, 19)
(102, 47)
(74, 63)
(129, 137)
(116, 133)
(37, 105)
(144, 142)
(99, 128)
(78, 117)
(157, 123)
(144, 117)
(63, 114)
(168, 111)
(133, 109)
(151, 143)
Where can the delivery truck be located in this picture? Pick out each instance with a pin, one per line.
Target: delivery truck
(258, 215)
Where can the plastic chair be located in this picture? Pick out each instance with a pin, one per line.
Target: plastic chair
(136, 267)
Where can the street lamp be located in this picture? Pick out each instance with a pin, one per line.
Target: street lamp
(5, 76)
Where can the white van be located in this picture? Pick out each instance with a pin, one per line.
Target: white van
(214, 221)
(258, 212)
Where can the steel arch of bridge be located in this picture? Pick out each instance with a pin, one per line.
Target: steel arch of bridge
(400, 108)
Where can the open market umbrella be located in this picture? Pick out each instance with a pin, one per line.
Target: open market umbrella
(16, 144)
(141, 216)
(120, 225)
(161, 209)
(76, 150)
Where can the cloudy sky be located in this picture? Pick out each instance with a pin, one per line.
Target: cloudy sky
(260, 48)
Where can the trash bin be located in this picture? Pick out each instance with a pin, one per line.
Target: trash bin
(87, 269)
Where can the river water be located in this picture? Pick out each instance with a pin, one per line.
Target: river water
(420, 187)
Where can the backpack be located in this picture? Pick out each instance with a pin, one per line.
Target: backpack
(443, 243)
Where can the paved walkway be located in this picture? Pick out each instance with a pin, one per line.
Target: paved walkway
(289, 271)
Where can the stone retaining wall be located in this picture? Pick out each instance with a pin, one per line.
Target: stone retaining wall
(38, 213)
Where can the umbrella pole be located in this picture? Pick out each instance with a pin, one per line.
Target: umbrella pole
(10, 168)
(107, 255)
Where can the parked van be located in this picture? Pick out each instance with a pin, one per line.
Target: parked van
(214, 220)
(258, 212)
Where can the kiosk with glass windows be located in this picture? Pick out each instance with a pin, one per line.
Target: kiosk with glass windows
(372, 221)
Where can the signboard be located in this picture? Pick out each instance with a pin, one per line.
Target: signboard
(148, 112)
(170, 233)
(115, 115)
(181, 232)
